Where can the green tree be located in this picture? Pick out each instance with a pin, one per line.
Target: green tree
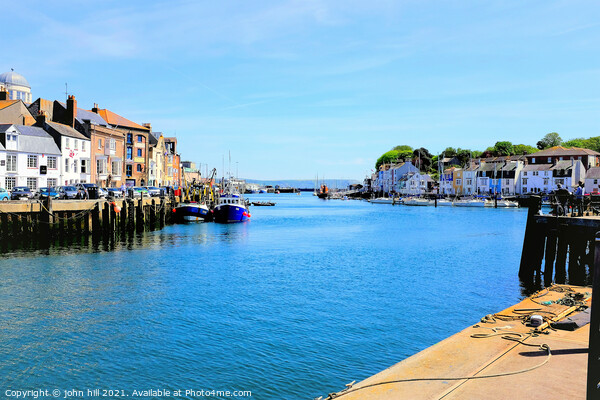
(549, 140)
(422, 157)
(504, 148)
(449, 152)
(521, 149)
(387, 157)
(403, 147)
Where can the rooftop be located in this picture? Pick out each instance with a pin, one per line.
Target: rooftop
(563, 151)
(13, 78)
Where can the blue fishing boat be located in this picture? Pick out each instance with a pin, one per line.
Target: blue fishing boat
(191, 212)
(231, 207)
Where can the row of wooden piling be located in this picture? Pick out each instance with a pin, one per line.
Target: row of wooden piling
(557, 249)
(59, 218)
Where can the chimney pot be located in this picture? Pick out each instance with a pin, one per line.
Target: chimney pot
(71, 111)
(3, 94)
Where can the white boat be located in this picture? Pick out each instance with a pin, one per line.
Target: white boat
(444, 203)
(507, 204)
(382, 200)
(416, 201)
(469, 203)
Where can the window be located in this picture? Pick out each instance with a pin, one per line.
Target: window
(52, 182)
(10, 182)
(129, 138)
(524, 173)
(139, 152)
(67, 143)
(545, 181)
(533, 160)
(129, 153)
(595, 181)
(113, 144)
(83, 166)
(129, 170)
(32, 184)
(83, 145)
(101, 166)
(524, 181)
(75, 166)
(458, 181)
(66, 165)
(139, 168)
(99, 144)
(507, 181)
(559, 181)
(116, 168)
(11, 163)
(536, 173)
(549, 160)
(32, 161)
(51, 162)
(140, 138)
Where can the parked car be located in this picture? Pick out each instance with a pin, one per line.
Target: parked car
(67, 192)
(115, 193)
(4, 194)
(46, 192)
(154, 191)
(87, 190)
(166, 190)
(102, 193)
(21, 193)
(139, 190)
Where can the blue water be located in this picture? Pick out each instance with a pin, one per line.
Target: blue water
(307, 296)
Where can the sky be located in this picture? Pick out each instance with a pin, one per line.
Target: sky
(293, 89)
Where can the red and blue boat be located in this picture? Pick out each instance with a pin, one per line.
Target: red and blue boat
(191, 212)
(231, 207)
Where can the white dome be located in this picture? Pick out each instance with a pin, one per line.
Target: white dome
(13, 78)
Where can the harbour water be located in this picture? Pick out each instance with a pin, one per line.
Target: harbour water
(305, 297)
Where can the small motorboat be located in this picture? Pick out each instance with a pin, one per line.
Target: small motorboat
(263, 203)
(417, 201)
(382, 200)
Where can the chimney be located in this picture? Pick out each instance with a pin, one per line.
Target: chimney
(40, 119)
(95, 108)
(71, 111)
(148, 125)
(3, 94)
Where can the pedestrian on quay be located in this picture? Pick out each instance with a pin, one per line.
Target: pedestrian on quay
(579, 193)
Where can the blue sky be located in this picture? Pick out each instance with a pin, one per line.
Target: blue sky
(299, 88)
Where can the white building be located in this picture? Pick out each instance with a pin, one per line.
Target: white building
(470, 179)
(75, 149)
(536, 178)
(32, 157)
(592, 180)
(413, 184)
(567, 173)
(17, 86)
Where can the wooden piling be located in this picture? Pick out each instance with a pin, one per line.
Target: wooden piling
(549, 257)
(593, 372)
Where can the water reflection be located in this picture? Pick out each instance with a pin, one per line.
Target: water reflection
(169, 237)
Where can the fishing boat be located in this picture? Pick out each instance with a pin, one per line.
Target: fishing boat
(323, 192)
(191, 212)
(230, 207)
